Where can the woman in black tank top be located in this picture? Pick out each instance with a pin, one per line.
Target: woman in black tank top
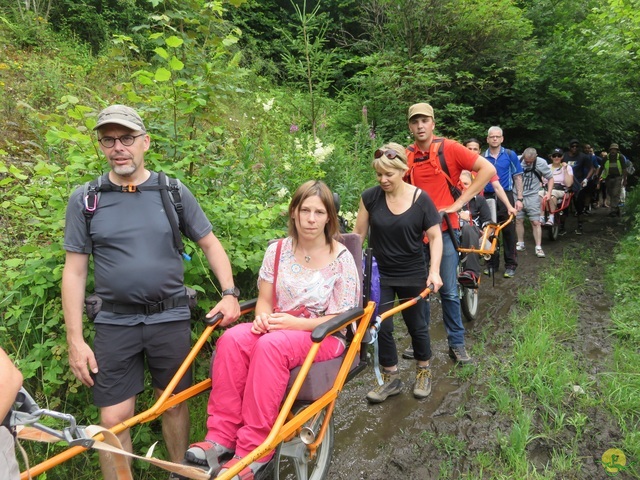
(396, 216)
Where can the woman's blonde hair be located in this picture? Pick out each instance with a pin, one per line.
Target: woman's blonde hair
(314, 188)
(385, 163)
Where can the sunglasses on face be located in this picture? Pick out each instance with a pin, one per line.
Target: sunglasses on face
(556, 155)
(390, 154)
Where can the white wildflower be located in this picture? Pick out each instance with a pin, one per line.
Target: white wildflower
(322, 152)
(268, 105)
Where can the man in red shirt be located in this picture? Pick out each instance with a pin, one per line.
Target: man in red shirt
(427, 159)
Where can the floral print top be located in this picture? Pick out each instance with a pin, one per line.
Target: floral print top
(327, 291)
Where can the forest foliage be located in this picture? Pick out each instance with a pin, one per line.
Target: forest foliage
(246, 99)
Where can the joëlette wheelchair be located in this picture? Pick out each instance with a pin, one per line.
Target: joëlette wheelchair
(487, 245)
(560, 214)
(303, 433)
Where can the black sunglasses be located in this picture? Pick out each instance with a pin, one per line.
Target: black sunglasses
(390, 154)
(554, 155)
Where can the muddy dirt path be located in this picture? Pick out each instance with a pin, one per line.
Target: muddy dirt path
(382, 441)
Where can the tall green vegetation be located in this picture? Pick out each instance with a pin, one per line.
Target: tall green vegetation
(246, 100)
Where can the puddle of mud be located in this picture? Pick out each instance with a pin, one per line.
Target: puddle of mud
(365, 429)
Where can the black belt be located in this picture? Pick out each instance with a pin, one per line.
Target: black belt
(135, 308)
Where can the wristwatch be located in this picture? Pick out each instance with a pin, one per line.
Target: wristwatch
(235, 291)
(519, 199)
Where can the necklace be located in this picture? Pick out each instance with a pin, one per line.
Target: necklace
(307, 258)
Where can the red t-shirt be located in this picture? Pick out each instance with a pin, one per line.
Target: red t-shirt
(428, 174)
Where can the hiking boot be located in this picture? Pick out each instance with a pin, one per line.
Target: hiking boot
(579, 231)
(392, 386)
(422, 387)
(486, 271)
(459, 354)
(539, 252)
(509, 273)
(408, 353)
(520, 246)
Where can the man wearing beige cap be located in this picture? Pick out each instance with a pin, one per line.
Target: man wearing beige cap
(434, 166)
(139, 277)
(614, 173)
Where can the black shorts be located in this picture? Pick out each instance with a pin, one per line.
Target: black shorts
(121, 352)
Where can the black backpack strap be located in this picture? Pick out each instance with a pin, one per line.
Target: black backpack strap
(91, 197)
(455, 192)
(535, 171)
(176, 199)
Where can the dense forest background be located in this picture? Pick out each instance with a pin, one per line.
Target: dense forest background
(246, 99)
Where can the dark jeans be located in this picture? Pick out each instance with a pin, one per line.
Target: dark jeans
(415, 320)
(451, 312)
(508, 237)
(579, 200)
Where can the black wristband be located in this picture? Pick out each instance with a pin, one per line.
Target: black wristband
(519, 199)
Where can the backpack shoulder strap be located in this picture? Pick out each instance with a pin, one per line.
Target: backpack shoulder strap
(171, 194)
(453, 189)
(91, 196)
(411, 155)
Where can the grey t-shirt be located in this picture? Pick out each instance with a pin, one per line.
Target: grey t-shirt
(135, 259)
(530, 181)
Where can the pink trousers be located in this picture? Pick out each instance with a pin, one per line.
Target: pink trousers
(250, 376)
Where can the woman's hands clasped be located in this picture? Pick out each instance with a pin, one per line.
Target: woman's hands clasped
(268, 322)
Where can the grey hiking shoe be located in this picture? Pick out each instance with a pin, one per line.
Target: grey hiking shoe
(509, 273)
(422, 387)
(408, 353)
(459, 354)
(392, 386)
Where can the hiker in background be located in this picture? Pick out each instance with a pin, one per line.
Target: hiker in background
(582, 172)
(139, 276)
(592, 184)
(562, 181)
(474, 145)
(509, 170)
(535, 169)
(614, 173)
(10, 383)
(305, 280)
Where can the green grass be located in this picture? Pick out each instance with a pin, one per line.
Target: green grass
(546, 390)
(622, 379)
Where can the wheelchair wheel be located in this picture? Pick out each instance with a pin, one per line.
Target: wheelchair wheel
(469, 303)
(292, 462)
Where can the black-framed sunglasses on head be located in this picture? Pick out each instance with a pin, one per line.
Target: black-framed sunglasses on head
(390, 153)
(126, 140)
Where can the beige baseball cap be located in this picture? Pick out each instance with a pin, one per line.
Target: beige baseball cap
(421, 109)
(120, 115)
